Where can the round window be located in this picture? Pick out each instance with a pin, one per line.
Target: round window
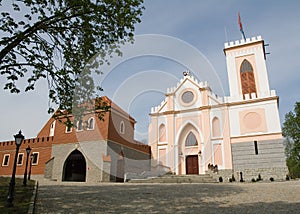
(187, 97)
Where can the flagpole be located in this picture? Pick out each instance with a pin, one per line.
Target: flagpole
(226, 36)
(241, 26)
(243, 34)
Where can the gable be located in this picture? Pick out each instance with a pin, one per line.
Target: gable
(188, 94)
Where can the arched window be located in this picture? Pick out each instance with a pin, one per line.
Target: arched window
(122, 127)
(191, 140)
(162, 133)
(68, 129)
(79, 125)
(247, 78)
(246, 66)
(216, 131)
(90, 125)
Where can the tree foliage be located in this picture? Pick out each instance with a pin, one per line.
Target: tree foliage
(291, 131)
(56, 39)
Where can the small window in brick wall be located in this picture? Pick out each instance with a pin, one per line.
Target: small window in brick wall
(52, 128)
(122, 127)
(35, 158)
(20, 158)
(79, 125)
(90, 125)
(5, 160)
(68, 129)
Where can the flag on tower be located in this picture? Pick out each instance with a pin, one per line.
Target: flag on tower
(241, 26)
(239, 21)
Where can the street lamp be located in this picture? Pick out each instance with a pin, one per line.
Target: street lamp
(31, 157)
(18, 140)
(28, 149)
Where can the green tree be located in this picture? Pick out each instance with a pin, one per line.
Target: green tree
(56, 39)
(291, 131)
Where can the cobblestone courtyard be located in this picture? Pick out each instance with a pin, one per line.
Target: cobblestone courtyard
(264, 197)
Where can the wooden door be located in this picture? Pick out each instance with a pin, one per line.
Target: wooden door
(192, 166)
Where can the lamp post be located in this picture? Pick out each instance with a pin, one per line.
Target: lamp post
(18, 140)
(28, 149)
(30, 165)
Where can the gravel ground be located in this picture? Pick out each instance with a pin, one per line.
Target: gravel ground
(261, 197)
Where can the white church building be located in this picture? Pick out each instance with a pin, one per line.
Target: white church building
(194, 128)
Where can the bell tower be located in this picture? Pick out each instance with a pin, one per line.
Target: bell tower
(254, 124)
(246, 67)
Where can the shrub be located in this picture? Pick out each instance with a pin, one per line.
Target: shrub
(271, 179)
(220, 179)
(253, 180)
(230, 180)
(287, 177)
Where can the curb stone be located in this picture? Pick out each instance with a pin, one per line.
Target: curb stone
(33, 198)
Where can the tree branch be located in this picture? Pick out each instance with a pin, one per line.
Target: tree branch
(19, 38)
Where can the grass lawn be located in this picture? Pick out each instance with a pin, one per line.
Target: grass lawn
(22, 195)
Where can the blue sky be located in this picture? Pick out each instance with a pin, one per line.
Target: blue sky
(139, 83)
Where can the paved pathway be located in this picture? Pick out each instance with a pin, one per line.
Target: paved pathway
(276, 197)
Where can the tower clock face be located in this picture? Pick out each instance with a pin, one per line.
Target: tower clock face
(187, 97)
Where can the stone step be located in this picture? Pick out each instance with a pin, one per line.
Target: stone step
(177, 179)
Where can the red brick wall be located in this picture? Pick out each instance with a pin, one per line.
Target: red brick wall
(107, 129)
(41, 145)
(46, 129)
(127, 138)
(115, 120)
(98, 133)
(111, 122)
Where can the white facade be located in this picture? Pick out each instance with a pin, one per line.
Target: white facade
(194, 128)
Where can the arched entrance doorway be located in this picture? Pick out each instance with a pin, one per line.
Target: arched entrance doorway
(120, 168)
(189, 147)
(75, 167)
(192, 166)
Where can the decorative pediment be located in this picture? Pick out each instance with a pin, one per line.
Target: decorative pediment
(187, 81)
(186, 94)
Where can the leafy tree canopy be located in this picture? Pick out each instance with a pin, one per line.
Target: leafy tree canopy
(55, 40)
(291, 131)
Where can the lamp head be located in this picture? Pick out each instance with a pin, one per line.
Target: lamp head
(28, 149)
(19, 138)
